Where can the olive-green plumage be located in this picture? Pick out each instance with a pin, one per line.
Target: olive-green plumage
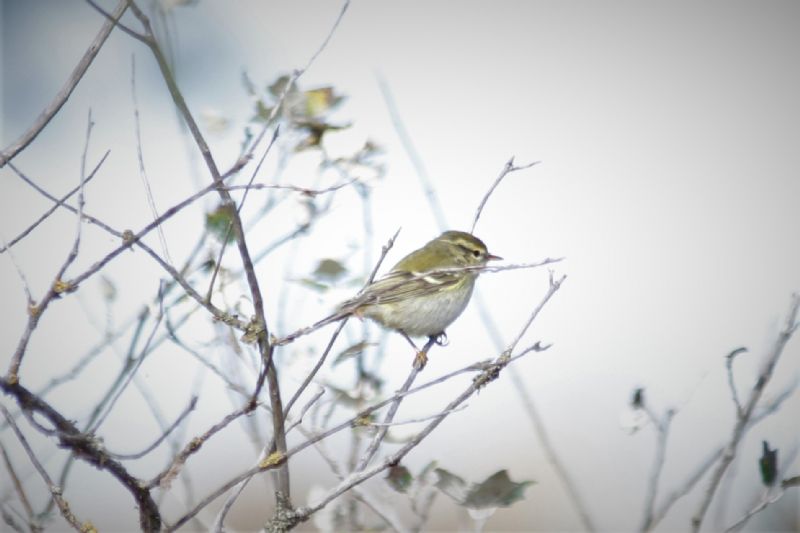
(415, 297)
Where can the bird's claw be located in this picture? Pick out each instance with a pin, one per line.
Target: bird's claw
(421, 359)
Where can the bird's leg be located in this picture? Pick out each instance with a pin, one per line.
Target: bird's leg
(406, 337)
(422, 355)
(441, 339)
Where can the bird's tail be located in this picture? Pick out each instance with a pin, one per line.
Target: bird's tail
(335, 317)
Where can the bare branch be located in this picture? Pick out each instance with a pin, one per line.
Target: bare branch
(413, 154)
(486, 367)
(258, 327)
(413, 420)
(662, 433)
(189, 408)
(140, 157)
(55, 491)
(23, 498)
(508, 168)
(166, 476)
(729, 368)
(476, 268)
(485, 377)
(21, 274)
(372, 448)
(743, 421)
(58, 286)
(50, 211)
(61, 97)
(224, 243)
(384, 250)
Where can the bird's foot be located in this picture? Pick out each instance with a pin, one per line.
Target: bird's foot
(421, 359)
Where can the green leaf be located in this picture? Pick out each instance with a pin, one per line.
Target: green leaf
(426, 472)
(351, 351)
(768, 464)
(278, 86)
(219, 222)
(313, 284)
(321, 100)
(329, 270)
(452, 485)
(399, 478)
(247, 83)
(348, 399)
(637, 401)
(263, 111)
(496, 491)
(315, 130)
(108, 289)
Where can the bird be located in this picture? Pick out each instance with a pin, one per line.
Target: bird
(425, 292)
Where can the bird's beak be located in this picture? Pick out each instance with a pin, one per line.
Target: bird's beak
(492, 257)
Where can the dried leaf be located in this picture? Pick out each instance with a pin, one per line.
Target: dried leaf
(768, 464)
(329, 270)
(496, 491)
(315, 130)
(313, 284)
(399, 478)
(452, 485)
(219, 221)
(108, 289)
(278, 86)
(320, 101)
(351, 351)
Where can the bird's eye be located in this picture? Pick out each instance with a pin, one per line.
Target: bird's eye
(476, 253)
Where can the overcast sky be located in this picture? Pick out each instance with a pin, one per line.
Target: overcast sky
(668, 138)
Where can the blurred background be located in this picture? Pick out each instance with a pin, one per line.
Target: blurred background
(668, 138)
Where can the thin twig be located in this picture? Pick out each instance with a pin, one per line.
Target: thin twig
(313, 372)
(662, 433)
(450, 270)
(413, 154)
(729, 368)
(742, 421)
(508, 168)
(21, 274)
(52, 209)
(770, 494)
(23, 498)
(686, 487)
(189, 408)
(61, 97)
(306, 407)
(258, 327)
(136, 35)
(481, 380)
(140, 157)
(377, 439)
(55, 491)
(134, 363)
(310, 376)
(539, 428)
(388, 515)
(165, 477)
(224, 244)
(384, 250)
(413, 420)
(58, 286)
(483, 367)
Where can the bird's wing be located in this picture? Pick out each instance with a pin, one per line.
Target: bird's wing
(399, 285)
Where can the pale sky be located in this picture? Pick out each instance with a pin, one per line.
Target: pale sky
(668, 135)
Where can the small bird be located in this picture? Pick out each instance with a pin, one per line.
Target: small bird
(422, 294)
